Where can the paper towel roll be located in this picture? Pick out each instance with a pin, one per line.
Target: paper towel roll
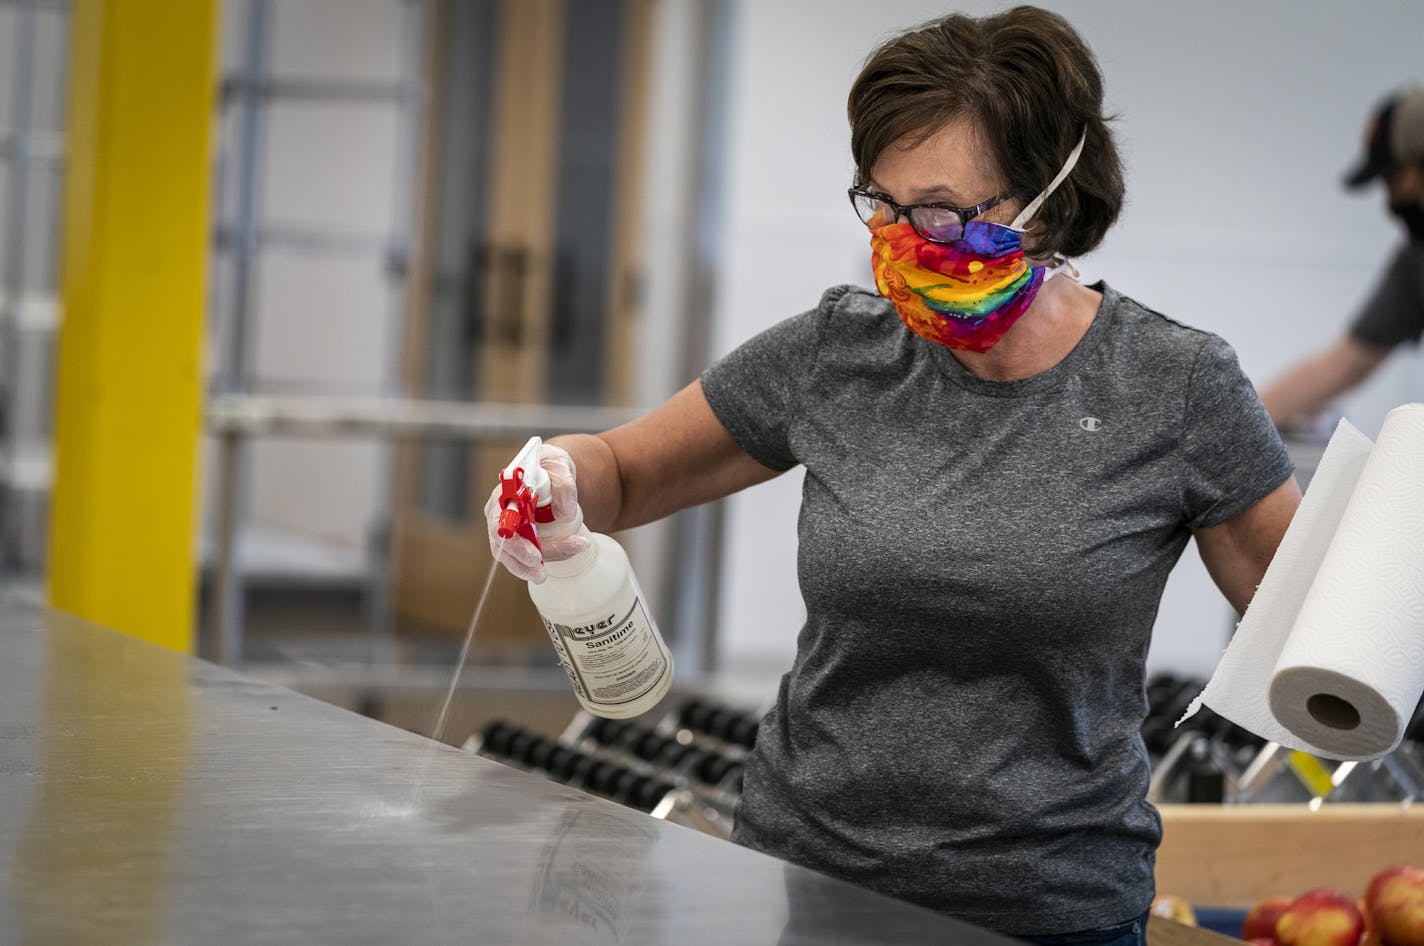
(1330, 656)
(1350, 675)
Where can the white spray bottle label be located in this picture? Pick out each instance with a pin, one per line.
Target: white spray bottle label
(613, 660)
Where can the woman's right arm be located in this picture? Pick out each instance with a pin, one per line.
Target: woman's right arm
(675, 456)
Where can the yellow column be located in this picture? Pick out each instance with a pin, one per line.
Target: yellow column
(128, 397)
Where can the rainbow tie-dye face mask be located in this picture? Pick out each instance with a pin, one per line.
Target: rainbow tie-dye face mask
(964, 295)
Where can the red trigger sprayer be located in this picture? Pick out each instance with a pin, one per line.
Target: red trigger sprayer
(524, 495)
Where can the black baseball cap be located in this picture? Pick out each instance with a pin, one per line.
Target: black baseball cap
(1394, 137)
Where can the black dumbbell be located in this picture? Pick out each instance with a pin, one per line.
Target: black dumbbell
(579, 769)
(693, 715)
(530, 747)
(494, 737)
(1157, 734)
(648, 747)
(560, 762)
(649, 792)
(518, 744)
(601, 777)
(669, 754)
(744, 732)
(630, 738)
(1160, 688)
(624, 786)
(596, 728)
(652, 745)
(713, 769)
(693, 761)
(540, 753)
(713, 722)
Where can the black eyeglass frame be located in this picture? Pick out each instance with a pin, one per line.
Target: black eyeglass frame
(965, 214)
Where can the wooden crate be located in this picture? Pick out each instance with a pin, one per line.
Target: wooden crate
(1164, 932)
(1237, 855)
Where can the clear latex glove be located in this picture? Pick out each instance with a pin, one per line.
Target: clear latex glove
(517, 553)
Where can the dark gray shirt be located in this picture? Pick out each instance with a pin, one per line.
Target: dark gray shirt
(1395, 312)
(981, 564)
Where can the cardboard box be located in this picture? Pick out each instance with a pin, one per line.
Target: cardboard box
(1237, 855)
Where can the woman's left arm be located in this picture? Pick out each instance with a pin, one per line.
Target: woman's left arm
(1237, 551)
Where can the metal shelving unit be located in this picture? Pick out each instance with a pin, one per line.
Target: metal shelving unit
(250, 93)
(29, 315)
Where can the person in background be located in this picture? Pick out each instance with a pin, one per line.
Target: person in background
(1394, 314)
(1002, 465)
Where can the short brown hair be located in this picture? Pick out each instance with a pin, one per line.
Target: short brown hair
(1033, 86)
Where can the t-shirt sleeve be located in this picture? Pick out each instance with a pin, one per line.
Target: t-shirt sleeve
(755, 390)
(1232, 454)
(1395, 311)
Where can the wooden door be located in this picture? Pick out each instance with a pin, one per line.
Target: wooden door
(523, 288)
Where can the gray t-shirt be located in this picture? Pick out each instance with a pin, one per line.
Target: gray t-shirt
(981, 564)
(1395, 312)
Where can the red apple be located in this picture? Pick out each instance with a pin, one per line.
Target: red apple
(1381, 878)
(1321, 917)
(1261, 921)
(1263, 941)
(1396, 900)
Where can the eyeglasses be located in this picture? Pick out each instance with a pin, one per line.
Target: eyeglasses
(938, 223)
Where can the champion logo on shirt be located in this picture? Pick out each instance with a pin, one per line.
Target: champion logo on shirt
(1091, 424)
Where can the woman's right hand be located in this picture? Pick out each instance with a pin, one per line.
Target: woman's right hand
(518, 554)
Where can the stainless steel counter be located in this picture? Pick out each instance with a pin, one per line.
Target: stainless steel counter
(150, 797)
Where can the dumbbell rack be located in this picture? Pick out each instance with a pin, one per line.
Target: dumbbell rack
(686, 769)
(1203, 759)
(1398, 776)
(1210, 759)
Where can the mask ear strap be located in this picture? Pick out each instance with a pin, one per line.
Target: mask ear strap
(1027, 213)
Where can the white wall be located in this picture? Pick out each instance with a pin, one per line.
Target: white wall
(1236, 121)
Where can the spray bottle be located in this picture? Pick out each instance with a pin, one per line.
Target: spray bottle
(591, 604)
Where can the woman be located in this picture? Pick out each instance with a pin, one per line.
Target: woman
(1001, 470)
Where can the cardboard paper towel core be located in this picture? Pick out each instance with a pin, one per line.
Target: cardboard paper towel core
(1329, 710)
(1313, 703)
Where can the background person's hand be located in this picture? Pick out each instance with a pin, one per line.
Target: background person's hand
(517, 553)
